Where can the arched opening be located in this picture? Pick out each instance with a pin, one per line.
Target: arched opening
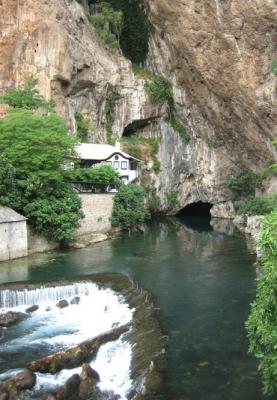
(197, 216)
(197, 209)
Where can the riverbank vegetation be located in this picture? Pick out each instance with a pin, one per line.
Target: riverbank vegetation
(35, 147)
(262, 322)
(130, 208)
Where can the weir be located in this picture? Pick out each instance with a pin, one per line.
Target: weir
(25, 297)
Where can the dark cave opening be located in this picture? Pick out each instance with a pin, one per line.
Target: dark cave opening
(196, 209)
(197, 216)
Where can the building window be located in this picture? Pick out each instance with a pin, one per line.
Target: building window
(109, 163)
(116, 157)
(123, 164)
(116, 164)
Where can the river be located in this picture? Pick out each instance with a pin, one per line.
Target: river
(203, 281)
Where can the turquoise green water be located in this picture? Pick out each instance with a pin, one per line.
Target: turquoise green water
(202, 281)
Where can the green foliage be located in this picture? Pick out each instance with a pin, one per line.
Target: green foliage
(172, 198)
(108, 24)
(262, 322)
(274, 67)
(26, 97)
(160, 91)
(129, 207)
(39, 146)
(135, 146)
(83, 126)
(178, 127)
(154, 204)
(142, 72)
(34, 148)
(102, 174)
(135, 33)
(55, 214)
(10, 193)
(257, 205)
(244, 185)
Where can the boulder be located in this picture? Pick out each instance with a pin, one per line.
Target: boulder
(77, 355)
(32, 308)
(62, 304)
(70, 391)
(11, 317)
(75, 300)
(10, 389)
(88, 372)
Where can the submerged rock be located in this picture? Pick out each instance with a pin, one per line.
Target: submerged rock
(11, 317)
(32, 308)
(62, 304)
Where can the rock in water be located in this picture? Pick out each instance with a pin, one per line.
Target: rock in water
(11, 318)
(88, 372)
(10, 389)
(75, 300)
(70, 391)
(62, 304)
(32, 308)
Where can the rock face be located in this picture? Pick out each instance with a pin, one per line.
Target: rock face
(11, 317)
(217, 54)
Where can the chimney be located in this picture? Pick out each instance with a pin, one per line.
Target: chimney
(117, 144)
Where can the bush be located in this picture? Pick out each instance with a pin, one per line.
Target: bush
(244, 185)
(274, 67)
(102, 174)
(83, 126)
(172, 198)
(108, 24)
(129, 208)
(178, 127)
(10, 193)
(262, 321)
(160, 91)
(56, 215)
(26, 97)
(257, 205)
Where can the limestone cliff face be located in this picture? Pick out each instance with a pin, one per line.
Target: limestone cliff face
(216, 53)
(53, 40)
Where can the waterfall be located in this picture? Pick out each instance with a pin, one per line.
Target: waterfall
(26, 297)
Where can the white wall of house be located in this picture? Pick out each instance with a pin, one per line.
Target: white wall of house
(123, 166)
(13, 240)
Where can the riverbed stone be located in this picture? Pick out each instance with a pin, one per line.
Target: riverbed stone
(75, 300)
(11, 317)
(31, 309)
(70, 391)
(62, 304)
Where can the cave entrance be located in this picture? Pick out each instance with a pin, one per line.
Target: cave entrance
(197, 216)
(197, 209)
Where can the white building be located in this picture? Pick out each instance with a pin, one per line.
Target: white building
(95, 154)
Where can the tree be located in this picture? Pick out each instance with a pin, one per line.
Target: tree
(129, 207)
(39, 146)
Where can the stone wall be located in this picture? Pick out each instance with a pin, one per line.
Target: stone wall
(13, 243)
(37, 243)
(98, 210)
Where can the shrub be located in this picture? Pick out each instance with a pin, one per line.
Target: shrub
(257, 206)
(172, 198)
(262, 322)
(10, 193)
(26, 97)
(83, 126)
(108, 24)
(154, 204)
(129, 208)
(160, 91)
(178, 127)
(244, 185)
(56, 214)
(102, 174)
